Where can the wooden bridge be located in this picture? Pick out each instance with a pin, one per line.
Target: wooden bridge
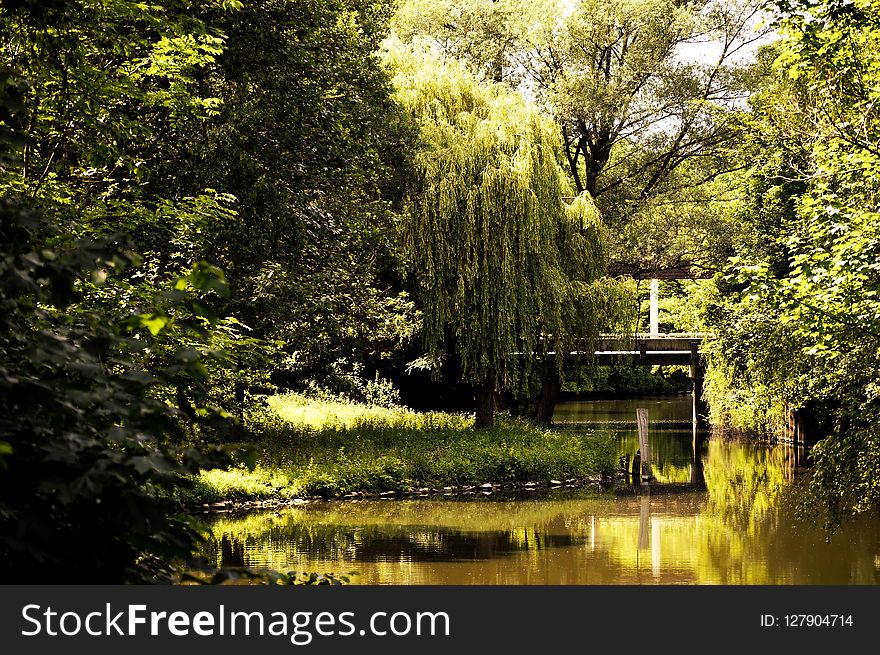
(655, 349)
(673, 349)
(660, 349)
(650, 349)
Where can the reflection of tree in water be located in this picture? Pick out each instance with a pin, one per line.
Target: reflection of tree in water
(232, 552)
(753, 535)
(743, 482)
(742, 532)
(376, 543)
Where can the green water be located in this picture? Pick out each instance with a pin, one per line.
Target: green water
(725, 516)
(670, 422)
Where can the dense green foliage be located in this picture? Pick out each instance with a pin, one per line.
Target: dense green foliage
(503, 265)
(642, 94)
(308, 141)
(137, 143)
(799, 317)
(627, 380)
(106, 358)
(204, 201)
(260, 137)
(89, 445)
(334, 447)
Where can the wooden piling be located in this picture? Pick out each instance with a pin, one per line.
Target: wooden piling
(642, 420)
(644, 522)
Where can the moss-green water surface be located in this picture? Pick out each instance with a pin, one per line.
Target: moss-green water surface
(738, 525)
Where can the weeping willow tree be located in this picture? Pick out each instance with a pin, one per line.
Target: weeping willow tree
(508, 272)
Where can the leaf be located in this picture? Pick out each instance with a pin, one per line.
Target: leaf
(155, 323)
(250, 457)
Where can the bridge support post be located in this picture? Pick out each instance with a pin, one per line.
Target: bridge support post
(654, 307)
(697, 375)
(644, 445)
(700, 416)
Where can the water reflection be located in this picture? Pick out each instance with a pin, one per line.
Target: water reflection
(718, 514)
(738, 532)
(744, 481)
(677, 444)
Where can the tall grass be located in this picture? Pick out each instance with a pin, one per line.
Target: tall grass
(331, 447)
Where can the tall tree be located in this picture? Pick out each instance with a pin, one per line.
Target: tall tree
(307, 139)
(506, 270)
(641, 92)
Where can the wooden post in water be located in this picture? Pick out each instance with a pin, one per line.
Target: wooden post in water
(642, 419)
(644, 522)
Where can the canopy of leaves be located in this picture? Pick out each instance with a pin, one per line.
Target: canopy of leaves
(503, 264)
(106, 358)
(806, 312)
(308, 140)
(644, 123)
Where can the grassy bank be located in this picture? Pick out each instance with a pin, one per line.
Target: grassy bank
(330, 448)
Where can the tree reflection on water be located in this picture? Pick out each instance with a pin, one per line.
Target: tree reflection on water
(740, 530)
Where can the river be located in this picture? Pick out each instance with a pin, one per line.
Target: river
(726, 514)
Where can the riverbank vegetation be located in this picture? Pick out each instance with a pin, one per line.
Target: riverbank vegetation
(306, 447)
(737, 537)
(611, 381)
(797, 312)
(414, 204)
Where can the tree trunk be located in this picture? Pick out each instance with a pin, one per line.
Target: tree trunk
(485, 397)
(550, 385)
